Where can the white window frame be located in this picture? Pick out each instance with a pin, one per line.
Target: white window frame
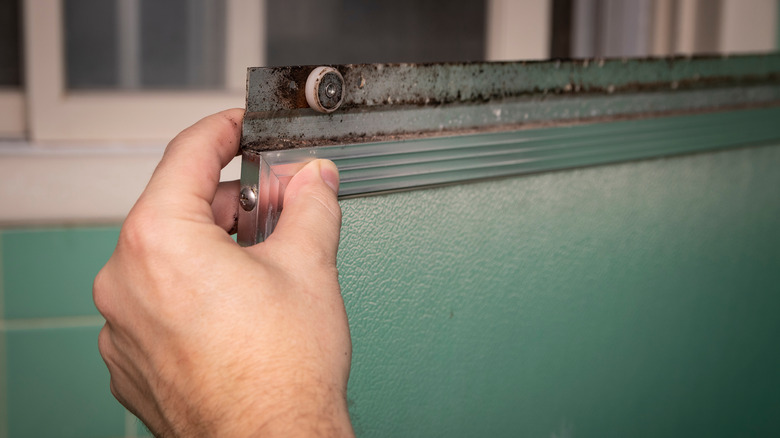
(518, 30)
(749, 29)
(57, 114)
(12, 108)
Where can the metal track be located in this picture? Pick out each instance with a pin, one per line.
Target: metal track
(390, 101)
(493, 129)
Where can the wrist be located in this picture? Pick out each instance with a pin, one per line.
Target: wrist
(278, 410)
(311, 411)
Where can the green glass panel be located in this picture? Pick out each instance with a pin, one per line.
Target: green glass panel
(49, 273)
(638, 299)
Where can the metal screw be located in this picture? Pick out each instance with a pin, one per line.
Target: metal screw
(247, 198)
(330, 90)
(330, 93)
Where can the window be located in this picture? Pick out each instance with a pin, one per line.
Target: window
(135, 69)
(11, 98)
(305, 32)
(145, 44)
(640, 28)
(125, 70)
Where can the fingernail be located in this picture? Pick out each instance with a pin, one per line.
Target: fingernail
(330, 174)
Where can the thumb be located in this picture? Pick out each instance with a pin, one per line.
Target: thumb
(310, 222)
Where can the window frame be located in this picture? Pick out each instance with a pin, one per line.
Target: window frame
(12, 107)
(55, 113)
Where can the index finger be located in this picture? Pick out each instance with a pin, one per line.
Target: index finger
(188, 174)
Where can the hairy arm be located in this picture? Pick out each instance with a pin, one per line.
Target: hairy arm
(205, 338)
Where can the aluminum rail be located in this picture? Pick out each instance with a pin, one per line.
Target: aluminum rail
(404, 126)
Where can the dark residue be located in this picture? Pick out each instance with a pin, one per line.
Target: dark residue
(293, 97)
(408, 75)
(287, 100)
(234, 228)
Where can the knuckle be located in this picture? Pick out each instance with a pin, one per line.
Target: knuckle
(112, 387)
(105, 344)
(115, 391)
(139, 234)
(100, 294)
(133, 233)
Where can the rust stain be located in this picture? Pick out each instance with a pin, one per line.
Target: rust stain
(290, 86)
(367, 89)
(291, 82)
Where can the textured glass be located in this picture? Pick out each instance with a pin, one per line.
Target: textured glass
(145, 44)
(376, 167)
(630, 300)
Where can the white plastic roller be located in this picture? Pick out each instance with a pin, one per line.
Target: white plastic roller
(325, 89)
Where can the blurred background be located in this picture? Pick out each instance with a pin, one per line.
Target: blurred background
(109, 50)
(91, 91)
(124, 76)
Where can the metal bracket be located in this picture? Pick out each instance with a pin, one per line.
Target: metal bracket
(383, 123)
(266, 181)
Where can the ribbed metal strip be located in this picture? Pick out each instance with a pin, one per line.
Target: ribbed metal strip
(376, 167)
(447, 120)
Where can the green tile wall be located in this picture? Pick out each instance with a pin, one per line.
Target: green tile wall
(638, 299)
(58, 385)
(48, 273)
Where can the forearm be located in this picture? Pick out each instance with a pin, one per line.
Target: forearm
(321, 416)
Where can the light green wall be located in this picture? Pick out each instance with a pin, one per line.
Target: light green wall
(56, 384)
(638, 299)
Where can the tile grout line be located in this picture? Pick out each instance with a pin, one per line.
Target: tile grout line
(50, 323)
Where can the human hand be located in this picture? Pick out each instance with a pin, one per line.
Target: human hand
(205, 338)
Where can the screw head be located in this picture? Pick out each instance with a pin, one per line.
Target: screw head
(330, 90)
(247, 198)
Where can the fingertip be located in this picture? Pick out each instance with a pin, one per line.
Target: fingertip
(315, 172)
(330, 174)
(311, 218)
